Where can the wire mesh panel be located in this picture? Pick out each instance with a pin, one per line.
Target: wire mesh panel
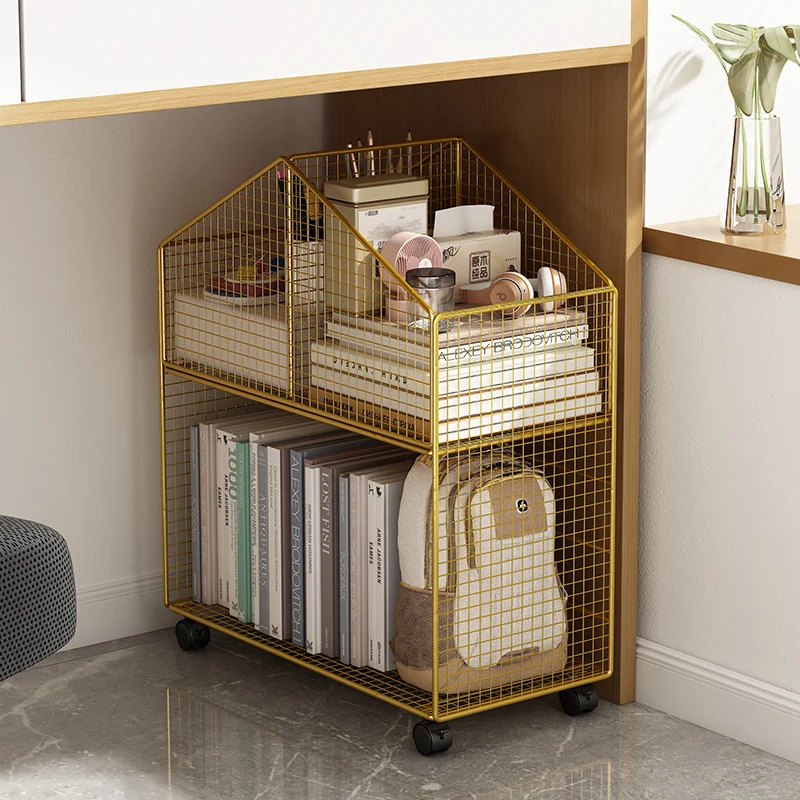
(283, 293)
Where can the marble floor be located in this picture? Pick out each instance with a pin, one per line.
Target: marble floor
(140, 718)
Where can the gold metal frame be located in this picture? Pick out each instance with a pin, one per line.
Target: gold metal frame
(577, 455)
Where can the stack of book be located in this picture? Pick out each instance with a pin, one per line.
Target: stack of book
(494, 374)
(294, 530)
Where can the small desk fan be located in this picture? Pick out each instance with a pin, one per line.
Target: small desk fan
(405, 251)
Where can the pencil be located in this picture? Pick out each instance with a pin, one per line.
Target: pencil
(408, 151)
(353, 165)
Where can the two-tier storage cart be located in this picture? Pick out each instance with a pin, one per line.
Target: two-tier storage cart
(220, 358)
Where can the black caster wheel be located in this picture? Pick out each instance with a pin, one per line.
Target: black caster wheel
(579, 700)
(432, 737)
(191, 634)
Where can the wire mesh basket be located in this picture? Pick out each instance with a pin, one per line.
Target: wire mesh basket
(273, 296)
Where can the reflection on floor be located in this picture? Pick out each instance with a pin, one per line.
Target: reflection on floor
(142, 719)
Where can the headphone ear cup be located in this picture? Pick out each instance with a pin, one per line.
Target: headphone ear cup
(550, 282)
(507, 288)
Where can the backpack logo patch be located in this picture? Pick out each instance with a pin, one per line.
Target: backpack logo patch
(522, 505)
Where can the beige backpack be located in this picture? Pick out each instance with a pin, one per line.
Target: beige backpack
(501, 604)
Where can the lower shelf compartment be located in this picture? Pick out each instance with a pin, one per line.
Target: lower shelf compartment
(388, 686)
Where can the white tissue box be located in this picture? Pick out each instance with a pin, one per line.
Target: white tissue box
(481, 256)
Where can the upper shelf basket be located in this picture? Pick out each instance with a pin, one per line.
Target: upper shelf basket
(271, 293)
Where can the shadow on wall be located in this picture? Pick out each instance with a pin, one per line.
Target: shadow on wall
(679, 71)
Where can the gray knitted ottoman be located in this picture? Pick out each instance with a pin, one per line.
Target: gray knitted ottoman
(37, 594)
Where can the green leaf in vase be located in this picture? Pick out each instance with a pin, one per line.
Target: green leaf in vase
(778, 40)
(742, 78)
(742, 34)
(793, 31)
(705, 38)
(770, 66)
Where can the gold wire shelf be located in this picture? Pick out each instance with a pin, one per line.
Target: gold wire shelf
(386, 686)
(222, 356)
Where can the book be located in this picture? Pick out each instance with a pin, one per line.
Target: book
(226, 432)
(321, 585)
(250, 342)
(359, 557)
(389, 557)
(454, 407)
(194, 481)
(243, 538)
(261, 554)
(414, 376)
(294, 483)
(208, 554)
(323, 540)
(344, 568)
(414, 427)
(479, 337)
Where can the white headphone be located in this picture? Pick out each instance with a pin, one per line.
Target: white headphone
(513, 285)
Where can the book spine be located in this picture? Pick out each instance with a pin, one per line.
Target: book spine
(379, 618)
(262, 539)
(357, 574)
(380, 417)
(327, 574)
(468, 352)
(233, 529)
(206, 530)
(297, 504)
(391, 570)
(312, 553)
(252, 475)
(373, 573)
(194, 479)
(223, 526)
(509, 345)
(455, 379)
(344, 569)
(274, 533)
(242, 538)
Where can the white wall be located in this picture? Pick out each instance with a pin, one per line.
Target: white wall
(690, 109)
(719, 479)
(83, 207)
(719, 597)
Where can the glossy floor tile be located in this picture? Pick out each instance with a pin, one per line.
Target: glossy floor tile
(142, 719)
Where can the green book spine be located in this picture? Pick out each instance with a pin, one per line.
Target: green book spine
(243, 532)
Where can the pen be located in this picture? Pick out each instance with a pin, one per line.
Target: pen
(353, 162)
(370, 153)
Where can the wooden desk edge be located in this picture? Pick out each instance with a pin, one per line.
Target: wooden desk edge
(78, 108)
(747, 255)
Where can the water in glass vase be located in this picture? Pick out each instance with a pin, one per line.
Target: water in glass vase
(755, 188)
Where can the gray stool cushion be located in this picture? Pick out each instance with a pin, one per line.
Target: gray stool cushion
(37, 594)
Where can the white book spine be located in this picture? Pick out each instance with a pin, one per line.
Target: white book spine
(205, 512)
(254, 554)
(517, 418)
(357, 572)
(455, 379)
(456, 407)
(313, 641)
(391, 569)
(373, 608)
(462, 353)
(233, 539)
(276, 544)
(223, 529)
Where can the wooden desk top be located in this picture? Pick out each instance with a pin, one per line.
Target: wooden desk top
(776, 257)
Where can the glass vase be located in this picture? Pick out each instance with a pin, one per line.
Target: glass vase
(755, 188)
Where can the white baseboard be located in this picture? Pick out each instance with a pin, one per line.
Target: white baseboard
(716, 698)
(120, 608)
